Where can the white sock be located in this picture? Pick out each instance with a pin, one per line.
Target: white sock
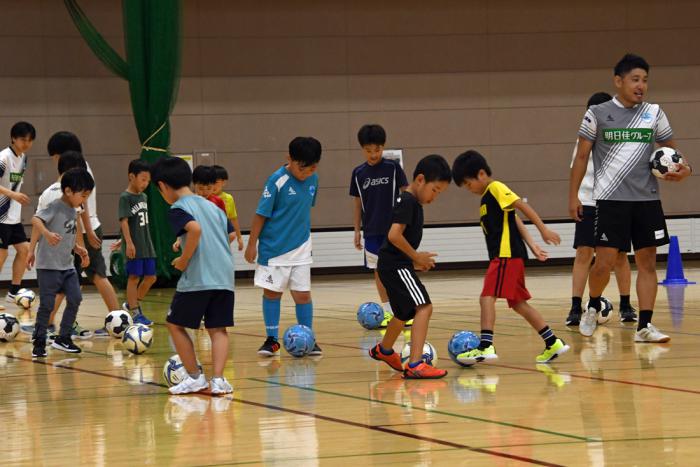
(387, 307)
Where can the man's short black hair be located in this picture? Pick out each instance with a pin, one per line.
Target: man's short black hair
(468, 165)
(70, 160)
(77, 179)
(220, 172)
(63, 141)
(306, 150)
(628, 63)
(23, 129)
(371, 134)
(137, 166)
(172, 171)
(598, 98)
(434, 168)
(204, 175)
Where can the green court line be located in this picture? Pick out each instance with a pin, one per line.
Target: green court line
(440, 412)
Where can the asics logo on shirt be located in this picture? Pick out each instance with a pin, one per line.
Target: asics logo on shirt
(374, 181)
(291, 191)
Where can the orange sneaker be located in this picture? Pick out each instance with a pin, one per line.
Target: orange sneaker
(423, 371)
(393, 360)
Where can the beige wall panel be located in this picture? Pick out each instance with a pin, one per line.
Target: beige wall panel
(22, 96)
(111, 173)
(189, 98)
(105, 15)
(684, 118)
(533, 162)
(88, 96)
(674, 84)
(30, 62)
(274, 94)
(99, 134)
(371, 92)
(71, 57)
(649, 14)
(187, 133)
(666, 46)
(681, 198)
(535, 125)
(193, 63)
(19, 18)
(107, 210)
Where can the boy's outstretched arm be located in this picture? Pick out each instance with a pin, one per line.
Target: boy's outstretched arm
(251, 251)
(422, 260)
(539, 253)
(548, 235)
(578, 171)
(357, 221)
(194, 232)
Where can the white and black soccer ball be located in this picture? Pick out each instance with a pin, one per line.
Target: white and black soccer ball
(25, 298)
(665, 160)
(137, 338)
(116, 322)
(429, 353)
(174, 371)
(9, 327)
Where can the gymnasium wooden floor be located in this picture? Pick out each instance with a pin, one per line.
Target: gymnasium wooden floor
(608, 402)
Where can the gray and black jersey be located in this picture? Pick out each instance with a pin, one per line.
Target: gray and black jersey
(623, 141)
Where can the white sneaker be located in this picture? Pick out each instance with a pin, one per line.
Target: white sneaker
(220, 386)
(650, 334)
(190, 385)
(10, 298)
(588, 323)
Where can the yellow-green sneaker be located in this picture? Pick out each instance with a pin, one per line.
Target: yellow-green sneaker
(387, 317)
(550, 353)
(473, 356)
(408, 323)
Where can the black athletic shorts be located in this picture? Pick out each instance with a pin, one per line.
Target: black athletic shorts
(585, 229)
(215, 306)
(621, 224)
(11, 234)
(406, 292)
(97, 261)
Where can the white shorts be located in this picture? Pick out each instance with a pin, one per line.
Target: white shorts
(278, 278)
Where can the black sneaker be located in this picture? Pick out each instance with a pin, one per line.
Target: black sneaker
(316, 351)
(628, 315)
(65, 344)
(574, 317)
(270, 348)
(39, 350)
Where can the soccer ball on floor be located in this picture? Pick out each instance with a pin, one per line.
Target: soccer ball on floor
(9, 327)
(429, 353)
(298, 340)
(174, 372)
(25, 298)
(117, 321)
(370, 315)
(137, 338)
(460, 342)
(605, 306)
(665, 160)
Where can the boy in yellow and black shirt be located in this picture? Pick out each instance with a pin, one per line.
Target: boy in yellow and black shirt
(506, 237)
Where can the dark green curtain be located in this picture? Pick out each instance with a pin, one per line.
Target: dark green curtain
(152, 68)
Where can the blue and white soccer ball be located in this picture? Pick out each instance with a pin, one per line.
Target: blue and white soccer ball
(174, 372)
(460, 342)
(429, 353)
(116, 322)
(370, 315)
(9, 327)
(24, 298)
(137, 338)
(298, 340)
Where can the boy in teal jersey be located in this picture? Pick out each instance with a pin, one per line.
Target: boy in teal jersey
(205, 289)
(280, 239)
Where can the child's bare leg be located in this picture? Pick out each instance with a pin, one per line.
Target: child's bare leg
(132, 285)
(420, 331)
(380, 288)
(393, 330)
(184, 348)
(531, 315)
(219, 350)
(104, 287)
(144, 287)
(56, 307)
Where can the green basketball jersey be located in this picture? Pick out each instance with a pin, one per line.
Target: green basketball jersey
(134, 207)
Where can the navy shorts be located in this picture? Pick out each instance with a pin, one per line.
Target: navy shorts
(215, 306)
(141, 267)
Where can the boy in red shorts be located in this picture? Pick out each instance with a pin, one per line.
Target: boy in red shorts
(505, 277)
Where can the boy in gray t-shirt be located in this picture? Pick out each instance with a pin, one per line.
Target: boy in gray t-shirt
(54, 229)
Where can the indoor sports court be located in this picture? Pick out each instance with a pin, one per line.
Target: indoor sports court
(397, 169)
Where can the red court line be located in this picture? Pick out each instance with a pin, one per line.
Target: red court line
(316, 416)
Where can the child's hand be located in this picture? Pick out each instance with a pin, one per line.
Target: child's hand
(21, 198)
(251, 252)
(176, 246)
(358, 240)
(116, 245)
(52, 238)
(539, 253)
(240, 244)
(31, 259)
(93, 239)
(550, 237)
(84, 258)
(180, 263)
(424, 261)
(130, 251)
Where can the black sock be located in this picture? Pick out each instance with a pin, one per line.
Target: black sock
(548, 336)
(624, 301)
(594, 302)
(576, 303)
(15, 288)
(644, 318)
(486, 339)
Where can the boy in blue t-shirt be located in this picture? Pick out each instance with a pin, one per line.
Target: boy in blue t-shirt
(280, 238)
(205, 289)
(375, 185)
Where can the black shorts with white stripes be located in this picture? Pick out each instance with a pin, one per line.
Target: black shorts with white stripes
(406, 292)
